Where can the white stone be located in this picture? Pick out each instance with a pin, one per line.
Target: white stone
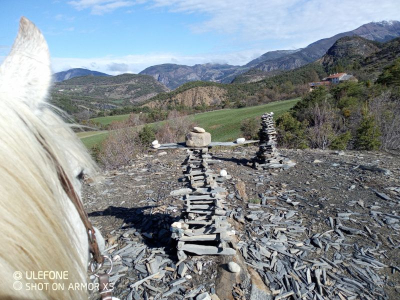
(223, 173)
(156, 146)
(198, 140)
(204, 296)
(240, 140)
(233, 267)
(198, 130)
(176, 225)
(155, 142)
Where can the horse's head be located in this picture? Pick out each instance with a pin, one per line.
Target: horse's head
(41, 229)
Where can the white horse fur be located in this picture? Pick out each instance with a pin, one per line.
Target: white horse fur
(40, 229)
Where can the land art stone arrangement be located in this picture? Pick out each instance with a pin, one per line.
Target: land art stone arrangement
(198, 138)
(263, 235)
(268, 156)
(203, 228)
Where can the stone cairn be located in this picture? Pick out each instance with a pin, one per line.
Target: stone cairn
(268, 156)
(203, 228)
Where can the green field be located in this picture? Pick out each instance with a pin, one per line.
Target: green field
(224, 124)
(110, 119)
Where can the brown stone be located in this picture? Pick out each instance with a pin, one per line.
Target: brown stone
(194, 139)
(226, 280)
(259, 291)
(241, 189)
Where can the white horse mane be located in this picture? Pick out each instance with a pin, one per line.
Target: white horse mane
(40, 229)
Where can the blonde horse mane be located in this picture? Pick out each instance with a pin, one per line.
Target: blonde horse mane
(40, 229)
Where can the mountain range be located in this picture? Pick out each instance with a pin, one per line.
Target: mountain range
(71, 73)
(268, 64)
(275, 75)
(358, 56)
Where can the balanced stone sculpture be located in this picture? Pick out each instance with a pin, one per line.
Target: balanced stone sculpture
(268, 156)
(198, 138)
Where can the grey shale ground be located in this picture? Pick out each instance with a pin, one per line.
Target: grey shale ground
(327, 228)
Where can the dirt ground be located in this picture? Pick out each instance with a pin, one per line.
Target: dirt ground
(327, 183)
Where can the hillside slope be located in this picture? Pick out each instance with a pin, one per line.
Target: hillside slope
(97, 93)
(375, 31)
(355, 55)
(361, 57)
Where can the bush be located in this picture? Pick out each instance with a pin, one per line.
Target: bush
(120, 148)
(325, 122)
(147, 135)
(341, 141)
(175, 129)
(249, 128)
(291, 133)
(386, 111)
(368, 134)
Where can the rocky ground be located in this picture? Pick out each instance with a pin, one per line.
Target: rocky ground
(327, 228)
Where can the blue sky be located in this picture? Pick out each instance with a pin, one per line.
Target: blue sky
(118, 36)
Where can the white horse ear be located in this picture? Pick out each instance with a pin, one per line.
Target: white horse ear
(25, 74)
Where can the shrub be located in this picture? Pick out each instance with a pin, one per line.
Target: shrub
(325, 122)
(302, 108)
(341, 141)
(95, 151)
(175, 129)
(255, 201)
(386, 111)
(368, 134)
(291, 133)
(147, 135)
(249, 128)
(120, 148)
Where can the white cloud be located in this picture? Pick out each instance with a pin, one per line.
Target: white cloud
(100, 7)
(61, 17)
(298, 21)
(137, 63)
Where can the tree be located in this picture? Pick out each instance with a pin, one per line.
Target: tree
(368, 134)
(291, 133)
(147, 135)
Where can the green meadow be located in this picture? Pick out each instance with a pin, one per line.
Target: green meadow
(224, 124)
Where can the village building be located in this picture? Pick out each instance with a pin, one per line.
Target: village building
(332, 80)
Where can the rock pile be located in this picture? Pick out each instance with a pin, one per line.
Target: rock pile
(198, 138)
(296, 265)
(203, 228)
(268, 155)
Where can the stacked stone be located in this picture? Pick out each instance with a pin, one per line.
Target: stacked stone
(268, 156)
(267, 135)
(203, 228)
(198, 138)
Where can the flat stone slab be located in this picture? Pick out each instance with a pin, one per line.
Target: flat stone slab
(212, 144)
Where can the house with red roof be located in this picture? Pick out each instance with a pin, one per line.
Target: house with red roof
(332, 79)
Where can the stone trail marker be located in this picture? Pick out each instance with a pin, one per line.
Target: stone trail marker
(268, 157)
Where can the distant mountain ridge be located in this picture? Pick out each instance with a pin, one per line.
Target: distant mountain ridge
(77, 72)
(268, 64)
(355, 55)
(173, 75)
(375, 31)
